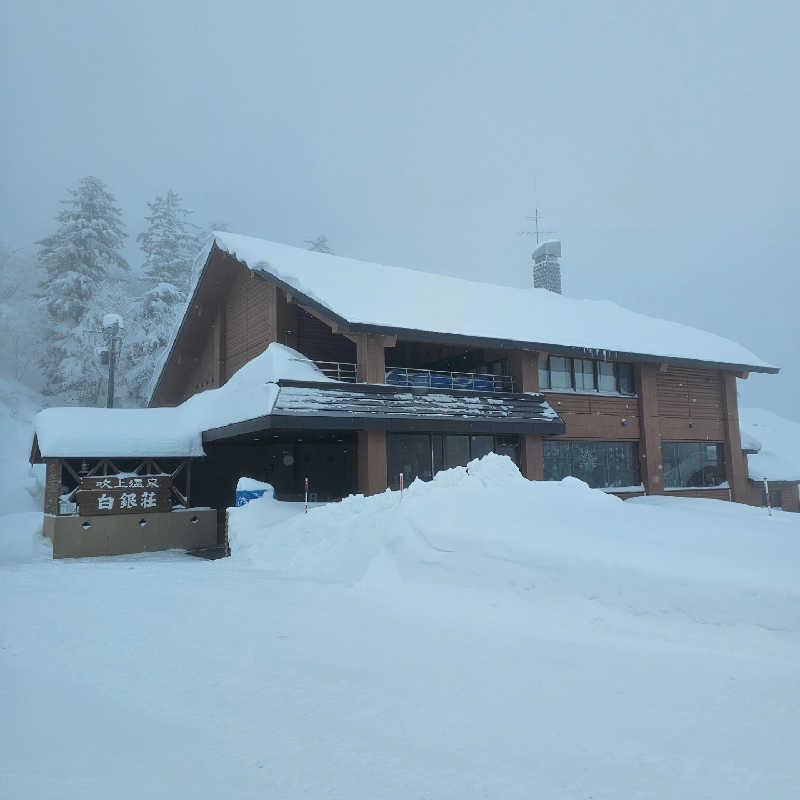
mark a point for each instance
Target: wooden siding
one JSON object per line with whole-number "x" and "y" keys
{"x": 705, "y": 494}
{"x": 250, "y": 320}
{"x": 596, "y": 416}
{"x": 202, "y": 374}
{"x": 690, "y": 396}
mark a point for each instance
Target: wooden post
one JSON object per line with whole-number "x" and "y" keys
{"x": 370, "y": 357}
{"x": 524, "y": 368}
{"x": 736, "y": 461}
{"x": 52, "y": 489}
{"x": 372, "y": 467}
{"x": 652, "y": 466}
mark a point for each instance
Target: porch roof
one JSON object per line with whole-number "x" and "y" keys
{"x": 347, "y": 406}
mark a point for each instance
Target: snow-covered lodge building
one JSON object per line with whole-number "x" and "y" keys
{"x": 401, "y": 371}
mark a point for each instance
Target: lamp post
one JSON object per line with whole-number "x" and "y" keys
{"x": 112, "y": 331}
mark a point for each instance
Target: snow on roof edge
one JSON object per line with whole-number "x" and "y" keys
{"x": 236, "y": 245}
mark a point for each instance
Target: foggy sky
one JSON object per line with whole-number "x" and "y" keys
{"x": 659, "y": 140}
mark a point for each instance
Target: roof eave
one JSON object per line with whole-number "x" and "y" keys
{"x": 412, "y": 334}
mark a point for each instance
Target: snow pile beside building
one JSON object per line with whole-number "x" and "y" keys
{"x": 777, "y": 441}
{"x": 506, "y": 639}
{"x": 22, "y": 485}
{"x": 172, "y": 432}
{"x": 486, "y": 525}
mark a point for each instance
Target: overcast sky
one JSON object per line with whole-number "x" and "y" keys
{"x": 660, "y": 141}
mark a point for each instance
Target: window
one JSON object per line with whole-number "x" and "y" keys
{"x": 602, "y": 465}
{"x": 560, "y": 372}
{"x": 422, "y": 455}
{"x": 692, "y": 464}
{"x": 586, "y": 375}
{"x": 606, "y": 379}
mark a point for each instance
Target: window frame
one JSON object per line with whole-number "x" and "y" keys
{"x": 720, "y": 465}
{"x": 570, "y": 449}
{"x": 546, "y": 376}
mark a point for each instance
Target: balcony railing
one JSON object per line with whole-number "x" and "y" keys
{"x": 433, "y": 379}
{"x": 337, "y": 370}
{"x": 436, "y": 379}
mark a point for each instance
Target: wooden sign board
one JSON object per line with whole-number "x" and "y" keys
{"x": 123, "y": 494}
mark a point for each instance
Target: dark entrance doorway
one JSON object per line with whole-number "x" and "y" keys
{"x": 284, "y": 460}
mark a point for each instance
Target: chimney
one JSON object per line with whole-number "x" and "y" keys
{"x": 546, "y": 269}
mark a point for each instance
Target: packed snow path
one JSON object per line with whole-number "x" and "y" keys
{"x": 558, "y": 644}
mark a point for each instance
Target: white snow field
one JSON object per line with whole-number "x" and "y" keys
{"x": 480, "y": 637}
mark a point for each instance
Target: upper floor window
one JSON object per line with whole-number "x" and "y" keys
{"x": 586, "y": 375}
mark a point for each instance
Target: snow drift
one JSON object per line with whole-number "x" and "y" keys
{"x": 486, "y": 525}
{"x": 172, "y": 432}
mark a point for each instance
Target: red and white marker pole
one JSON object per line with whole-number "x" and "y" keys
{"x": 401, "y": 485}
{"x": 306, "y": 495}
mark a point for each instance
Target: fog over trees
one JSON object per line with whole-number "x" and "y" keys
{"x": 658, "y": 142}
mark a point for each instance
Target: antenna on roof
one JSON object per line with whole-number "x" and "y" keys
{"x": 540, "y": 234}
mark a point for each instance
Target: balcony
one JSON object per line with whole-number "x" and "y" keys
{"x": 339, "y": 371}
{"x": 437, "y": 379}
{"x": 344, "y": 372}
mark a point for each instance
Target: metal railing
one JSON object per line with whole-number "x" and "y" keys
{"x": 337, "y": 370}
{"x": 345, "y": 372}
{"x": 436, "y": 379}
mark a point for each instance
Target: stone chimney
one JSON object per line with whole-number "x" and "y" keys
{"x": 546, "y": 268}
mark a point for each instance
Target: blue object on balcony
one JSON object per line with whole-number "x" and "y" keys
{"x": 396, "y": 377}
{"x": 441, "y": 382}
{"x": 419, "y": 380}
{"x": 463, "y": 382}
{"x": 484, "y": 385}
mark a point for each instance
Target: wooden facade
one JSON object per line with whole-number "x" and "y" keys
{"x": 236, "y": 313}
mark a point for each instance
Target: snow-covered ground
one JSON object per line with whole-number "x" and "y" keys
{"x": 481, "y": 637}
{"x": 777, "y": 441}
{"x": 21, "y": 485}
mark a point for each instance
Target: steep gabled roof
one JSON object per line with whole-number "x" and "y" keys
{"x": 368, "y": 295}
{"x": 364, "y": 297}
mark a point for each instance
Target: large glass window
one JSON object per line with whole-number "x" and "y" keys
{"x": 603, "y": 465}
{"x": 409, "y": 453}
{"x": 586, "y": 375}
{"x": 692, "y": 464}
{"x": 456, "y": 451}
{"x": 422, "y": 455}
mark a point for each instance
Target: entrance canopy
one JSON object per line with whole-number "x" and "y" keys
{"x": 345, "y": 406}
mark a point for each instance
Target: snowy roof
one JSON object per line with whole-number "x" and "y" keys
{"x": 348, "y": 406}
{"x": 171, "y": 432}
{"x": 371, "y": 295}
{"x": 777, "y": 441}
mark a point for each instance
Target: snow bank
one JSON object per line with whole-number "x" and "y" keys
{"x": 487, "y": 525}
{"x": 22, "y": 485}
{"x": 778, "y": 442}
{"x": 22, "y": 540}
{"x": 374, "y": 294}
{"x": 172, "y": 432}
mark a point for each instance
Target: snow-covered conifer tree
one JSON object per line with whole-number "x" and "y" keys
{"x": 83, "y": 253}
{"x": 169, "y": 243}
{"x": 319, "y": 245}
